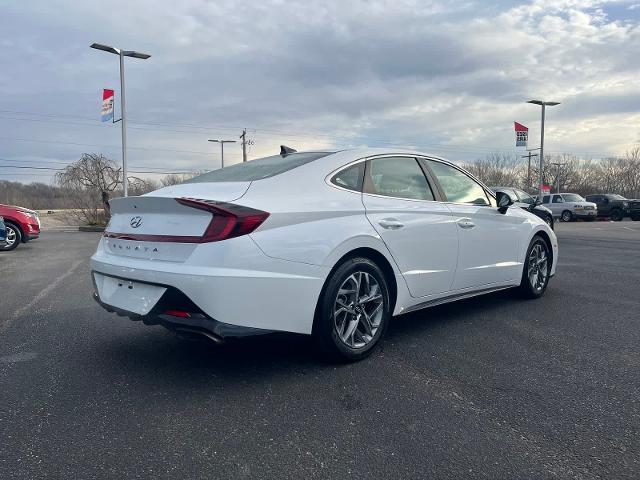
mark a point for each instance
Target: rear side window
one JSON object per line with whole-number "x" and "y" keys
{"x": 259, "y": 168}
{"x": 545, "y": 199}
{"x": 457, "y": 186}
{"x": 399, "y": 177}
{"x": 557, "y": 199}
{"x": 350, "y": 178}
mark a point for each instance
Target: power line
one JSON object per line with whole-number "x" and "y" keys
{"x": 309, "y": 134}
{"x": 34, "y": 140}
{"x": 195, "y": 170}
{"x": 62, "y": 169}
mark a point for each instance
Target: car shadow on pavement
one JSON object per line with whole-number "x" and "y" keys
{"x": 163, "y": 355}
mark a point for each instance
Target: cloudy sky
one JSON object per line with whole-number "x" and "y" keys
{"x": 447, "y": 77}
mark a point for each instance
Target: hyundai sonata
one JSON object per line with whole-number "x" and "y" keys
{"x": 331, "y": 244}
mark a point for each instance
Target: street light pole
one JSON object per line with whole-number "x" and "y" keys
{"x": 558, "y": 164}
{"x": 123, "y": 120}
{"x": 543, "y": 104}
{"x": 122, "y": 53}
{"x": 222, "y": 142}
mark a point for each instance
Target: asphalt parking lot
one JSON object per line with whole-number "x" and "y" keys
{"x": 492, "y": 387}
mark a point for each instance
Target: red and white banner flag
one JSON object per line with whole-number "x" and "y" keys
{"x": 522, "y": 135}
{"x": 107, "y": 105}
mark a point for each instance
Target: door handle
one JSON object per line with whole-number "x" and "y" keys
{"x": 466, "y": 223}
{"x": 390, "y": 224}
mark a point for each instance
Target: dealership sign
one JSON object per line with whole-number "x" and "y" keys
{"x": 522, "y": 135}
{"x": 107, "y": 105}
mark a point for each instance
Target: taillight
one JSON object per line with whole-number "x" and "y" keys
{"x": 229, "y": 220}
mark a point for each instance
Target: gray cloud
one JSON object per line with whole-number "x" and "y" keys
{"x": 406, "y": 72}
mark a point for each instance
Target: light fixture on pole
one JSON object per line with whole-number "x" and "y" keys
{"x": 543, "y": 104}
{"x": 222, "y": 142}
{"x": 122, "y": 53}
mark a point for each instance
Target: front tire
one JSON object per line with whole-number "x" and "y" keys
{"x": 566, "y": 216}
{"x": 536, "y": 270}
{"x": 14, "y": 237}
{"x": 617, "y": 215}
{"x": 353, "y": 311}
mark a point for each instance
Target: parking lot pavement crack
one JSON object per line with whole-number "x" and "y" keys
{"x": 4, "y": 325}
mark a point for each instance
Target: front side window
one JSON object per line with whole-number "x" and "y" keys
{"x": 399, "y": 177}
{"x": 457, "y": 186}
{"x": 350, "y": 178}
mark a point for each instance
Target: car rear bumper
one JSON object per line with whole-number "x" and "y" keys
{"x": 232, "y": 282}
{"x": 177, "y": 313}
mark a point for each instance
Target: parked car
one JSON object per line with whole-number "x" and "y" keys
{"x": 570, "y": 206}
{"x": 23, "y": 225}
{"x": 3, "y": 233}
{"x": 615, "y": 206}
{"x": 324, "y": 243}
{"x": 524, "y": 200}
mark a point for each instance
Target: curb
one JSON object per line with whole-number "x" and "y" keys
{"x": 87, "y": 228}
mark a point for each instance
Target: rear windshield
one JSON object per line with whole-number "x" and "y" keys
{"x": 260, "y": 168}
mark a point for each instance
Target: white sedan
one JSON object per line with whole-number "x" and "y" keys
{"x": 326, "y": 243}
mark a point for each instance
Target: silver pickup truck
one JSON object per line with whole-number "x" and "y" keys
{"x": 570, "y": 206}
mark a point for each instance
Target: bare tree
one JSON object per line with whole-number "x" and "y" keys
{"x": 92, "y": 179}
{"x": 175, "y": 178}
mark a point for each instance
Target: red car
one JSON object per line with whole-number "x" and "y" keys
{"x": 22, "y": 225}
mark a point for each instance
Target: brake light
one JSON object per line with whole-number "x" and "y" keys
{"x": 229, "y": 220}
{"x": 178, "y": 313}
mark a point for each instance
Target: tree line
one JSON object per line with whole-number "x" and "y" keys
{"x": 619, "y": 175}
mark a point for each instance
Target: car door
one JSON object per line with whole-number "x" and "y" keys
{"x": 417, "y": 229}
{"x": 488, "y": 240}
{"x": 604, "y": 205}
{"x": 557, "y": 205}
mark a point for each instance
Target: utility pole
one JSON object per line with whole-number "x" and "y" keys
{"x": 529, "y": 155}
{"x": 558, "y": 164}
{"x": 543, "y": 104}
{"x": 122, "y": 53}
{"x": 244, "y": 144}
{"x": 222, "y": 142}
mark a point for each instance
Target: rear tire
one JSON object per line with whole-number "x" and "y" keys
{"x": 14, "y": 237}
{"x": 353, "y": 311}
{"x": 566, "y": 216}
{"x": 617, "y": 215}
{"x": 536, "y": 270}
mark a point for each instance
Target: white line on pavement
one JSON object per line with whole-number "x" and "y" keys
{"x": 43, "y": 293}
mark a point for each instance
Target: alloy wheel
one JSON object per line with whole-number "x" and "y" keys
{"x": 566, "y": 216}
{"x": 538, "y": 266}
{"x": 358, "y": 310}
{"x": 11, "y": 236}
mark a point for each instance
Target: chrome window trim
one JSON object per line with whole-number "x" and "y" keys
{"x": 409, "y": 155}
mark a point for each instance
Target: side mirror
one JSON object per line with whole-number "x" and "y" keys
{"x": 504, "y": 201}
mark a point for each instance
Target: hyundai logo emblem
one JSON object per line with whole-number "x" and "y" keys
{"x": 136, "y": 222}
